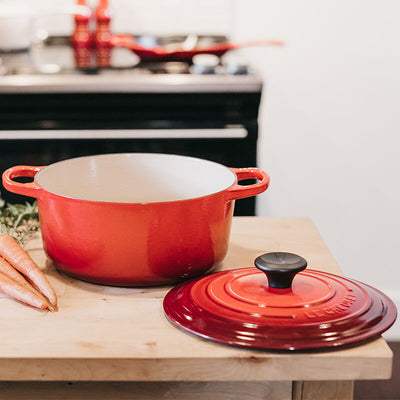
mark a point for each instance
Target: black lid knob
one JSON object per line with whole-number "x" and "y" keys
{"x": 280, "y": 268}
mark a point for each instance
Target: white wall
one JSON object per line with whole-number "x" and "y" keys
{"x": 330, "y": 119}
{"x": 143, "y": 16}
{"x": 330, "y": 115}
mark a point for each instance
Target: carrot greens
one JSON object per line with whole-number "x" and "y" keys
{"x": 20, "y": 221}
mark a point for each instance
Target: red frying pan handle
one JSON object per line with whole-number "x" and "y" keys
{"x": 237, "y": 191}
{"x": 122, "y": 40}
{"x": 30, "y": 189}
{"x": 266, "y": 42}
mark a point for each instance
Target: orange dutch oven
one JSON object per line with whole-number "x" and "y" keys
{"x": 135, "y": 219}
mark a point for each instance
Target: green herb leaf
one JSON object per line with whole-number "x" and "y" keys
{"x": 19, "y": 220}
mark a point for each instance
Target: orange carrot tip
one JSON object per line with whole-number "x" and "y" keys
{"x": 20, "y": 293}
{"x": 7, "y": 269}
{"x": 22, "y": 262}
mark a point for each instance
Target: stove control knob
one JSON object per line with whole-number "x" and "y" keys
{"x": 237, "y": 69}
{"x": 236, "y": 65}
{"x": 205, "y": 64}
{"x": 3, "y": 69}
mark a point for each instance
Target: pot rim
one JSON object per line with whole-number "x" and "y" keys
{"x": 45, "y": 170}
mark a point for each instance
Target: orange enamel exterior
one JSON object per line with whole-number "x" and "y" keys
{"x": 135, "y": 244}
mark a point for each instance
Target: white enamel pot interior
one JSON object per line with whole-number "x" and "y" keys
{"x": 135, "y": 178}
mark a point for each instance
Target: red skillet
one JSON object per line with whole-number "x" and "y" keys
{"x": 161, "y": 53}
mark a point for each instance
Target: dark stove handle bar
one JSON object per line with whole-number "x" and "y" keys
{"x": 229, "y": 132}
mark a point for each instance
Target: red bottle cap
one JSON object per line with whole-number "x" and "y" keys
{"x": 288, "y": 310}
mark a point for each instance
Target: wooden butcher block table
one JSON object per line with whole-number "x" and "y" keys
{"x": 115, "y": 343}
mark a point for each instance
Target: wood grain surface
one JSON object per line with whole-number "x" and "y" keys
{"x": 145, "y": 390}
{"x": 323, "y": 390}
{"x": 103, "y": 333}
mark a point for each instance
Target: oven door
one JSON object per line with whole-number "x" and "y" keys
{"x": 43, "y": 129}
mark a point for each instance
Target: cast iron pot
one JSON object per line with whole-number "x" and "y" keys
{"x": 135, "y": 219}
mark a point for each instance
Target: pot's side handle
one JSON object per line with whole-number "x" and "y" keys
{"x": 31, "y": 189}
{"x": 237, "y": 191}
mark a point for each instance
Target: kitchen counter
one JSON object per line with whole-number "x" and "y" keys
{"x": 108, "y": 342}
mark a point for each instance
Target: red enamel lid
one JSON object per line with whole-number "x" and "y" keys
{"x": 290, "y": 309}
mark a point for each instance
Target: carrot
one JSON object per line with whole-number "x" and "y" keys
{"x": 15, "y": 290}
{"x": 7, "y": 269}
{"x": 21, "y": 261}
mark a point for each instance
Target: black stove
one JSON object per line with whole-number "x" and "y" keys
{"x": 59, "y": 102}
